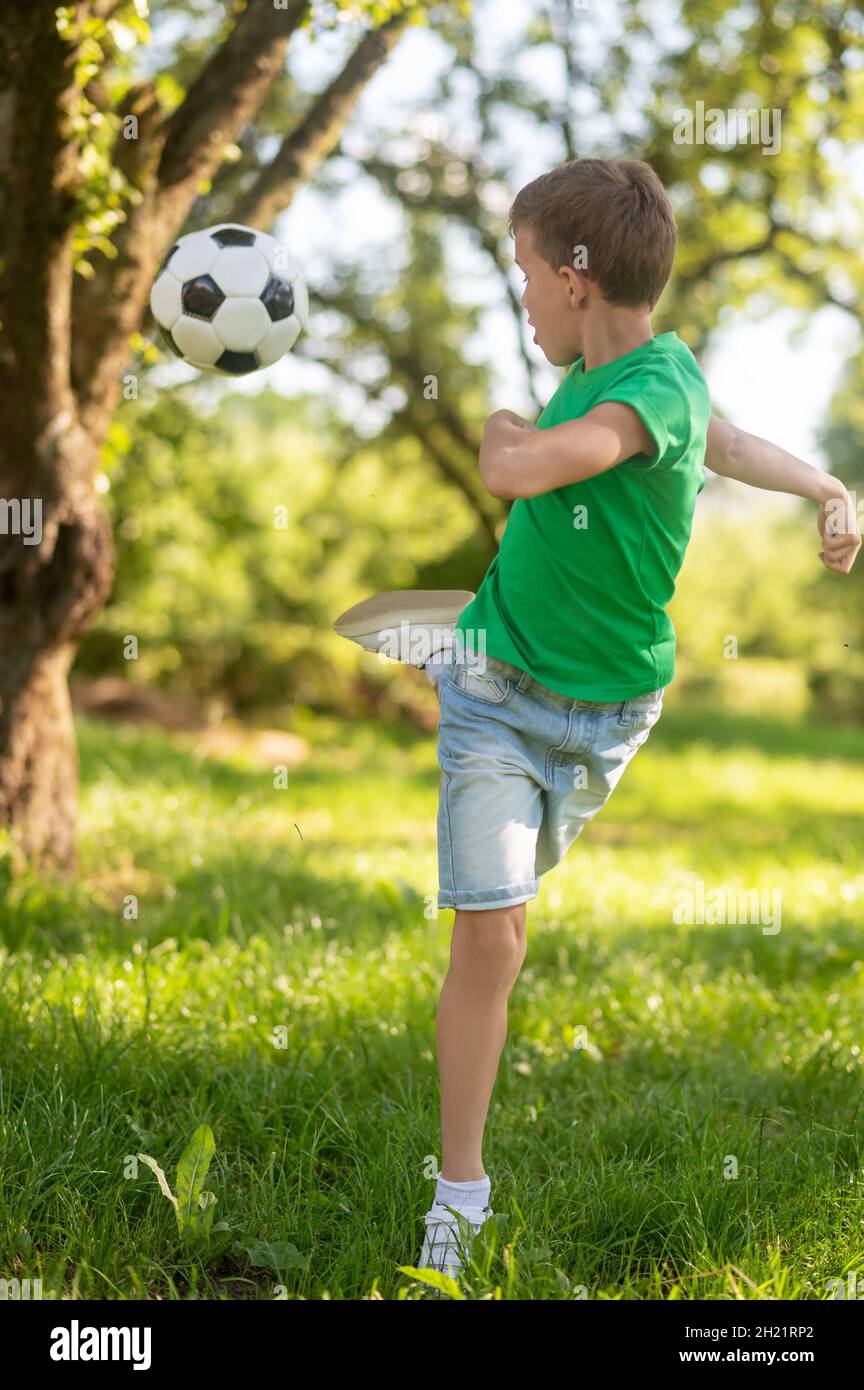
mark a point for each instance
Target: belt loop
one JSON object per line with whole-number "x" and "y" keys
{"x": 524, "y": 681}
{"x": 626, "y": 710}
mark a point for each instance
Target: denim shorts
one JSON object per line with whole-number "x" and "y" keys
{"x": 524, "y": 771}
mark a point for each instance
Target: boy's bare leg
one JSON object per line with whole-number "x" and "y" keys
{"x": 486, "y": 954}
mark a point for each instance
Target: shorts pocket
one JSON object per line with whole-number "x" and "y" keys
{"x": 490, "y": 687}
{"x": 646, "y": 712}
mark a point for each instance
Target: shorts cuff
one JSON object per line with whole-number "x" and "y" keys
{"x": 477, "y": 899}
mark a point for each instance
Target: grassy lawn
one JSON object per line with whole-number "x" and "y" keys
{"x": 678, "y": 1112}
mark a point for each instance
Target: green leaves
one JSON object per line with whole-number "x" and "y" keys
{"x": 103, "y": 54}
{"x": 193, "y": 1206}
{"x": 279, "y": 1255}
{"x": 436, "y": 1279}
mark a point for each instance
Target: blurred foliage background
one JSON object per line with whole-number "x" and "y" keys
{"x": 233, "y": 609}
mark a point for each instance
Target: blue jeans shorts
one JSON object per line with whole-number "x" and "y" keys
{"x": 524, "y": 771}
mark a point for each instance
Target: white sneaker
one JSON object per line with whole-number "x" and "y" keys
{"x": 445, "y": 1245}
{"x": 411, "y": 625}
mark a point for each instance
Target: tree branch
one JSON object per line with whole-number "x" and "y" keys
{"x": 104, "y": 9}
{"x": 318, "y": 133}
{"x": 704, "y": 268}
{"x": 401, "y": 361}
{"x": 133, "y": 156}
{"x": 227, "y": 93}
{"x": 818, "y": 278}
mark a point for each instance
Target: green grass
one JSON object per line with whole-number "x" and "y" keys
{"x": 645, "y": 1058}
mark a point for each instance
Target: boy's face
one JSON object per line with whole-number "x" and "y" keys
{"x": 551, "y": 298}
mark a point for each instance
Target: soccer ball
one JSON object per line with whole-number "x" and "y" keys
{"x": 229, "y": 300}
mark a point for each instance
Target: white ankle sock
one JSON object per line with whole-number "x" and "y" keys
{"x": 475, "y": 1193}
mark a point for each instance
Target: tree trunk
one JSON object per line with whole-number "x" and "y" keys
{"x": 39, "y": 764}
{"x": 50, "y": 593}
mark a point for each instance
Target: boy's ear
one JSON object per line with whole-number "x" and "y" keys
{"x": 580, "y": 282}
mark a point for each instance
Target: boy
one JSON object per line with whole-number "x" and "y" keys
{"x": 560, "y": 661}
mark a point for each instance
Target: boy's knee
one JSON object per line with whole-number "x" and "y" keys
{"x": 496, "y": 937}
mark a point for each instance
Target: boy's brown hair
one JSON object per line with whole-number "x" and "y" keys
{"x": 618, "y": 210}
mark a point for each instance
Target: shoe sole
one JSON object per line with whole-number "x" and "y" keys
{"x": 417, "y": 607}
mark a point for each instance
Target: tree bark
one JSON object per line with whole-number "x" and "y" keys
{"x": 39, "y": 766}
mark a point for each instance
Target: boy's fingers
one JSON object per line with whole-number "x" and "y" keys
{"x": 840, "y": 566}
{"x": 841, "y": 562}
{"x": 846, "y": 552}
{"x": 839, "y": 546}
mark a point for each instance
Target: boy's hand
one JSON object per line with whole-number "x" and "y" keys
{"x": 837, "y": 525}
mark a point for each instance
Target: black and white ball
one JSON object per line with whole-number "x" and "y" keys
{"x": 229, "y": 300}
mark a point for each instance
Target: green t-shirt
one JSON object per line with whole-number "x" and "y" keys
{"x": 578, "y": 590}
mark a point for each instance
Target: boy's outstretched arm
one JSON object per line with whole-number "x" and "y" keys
{"x": 734, "y": 453}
